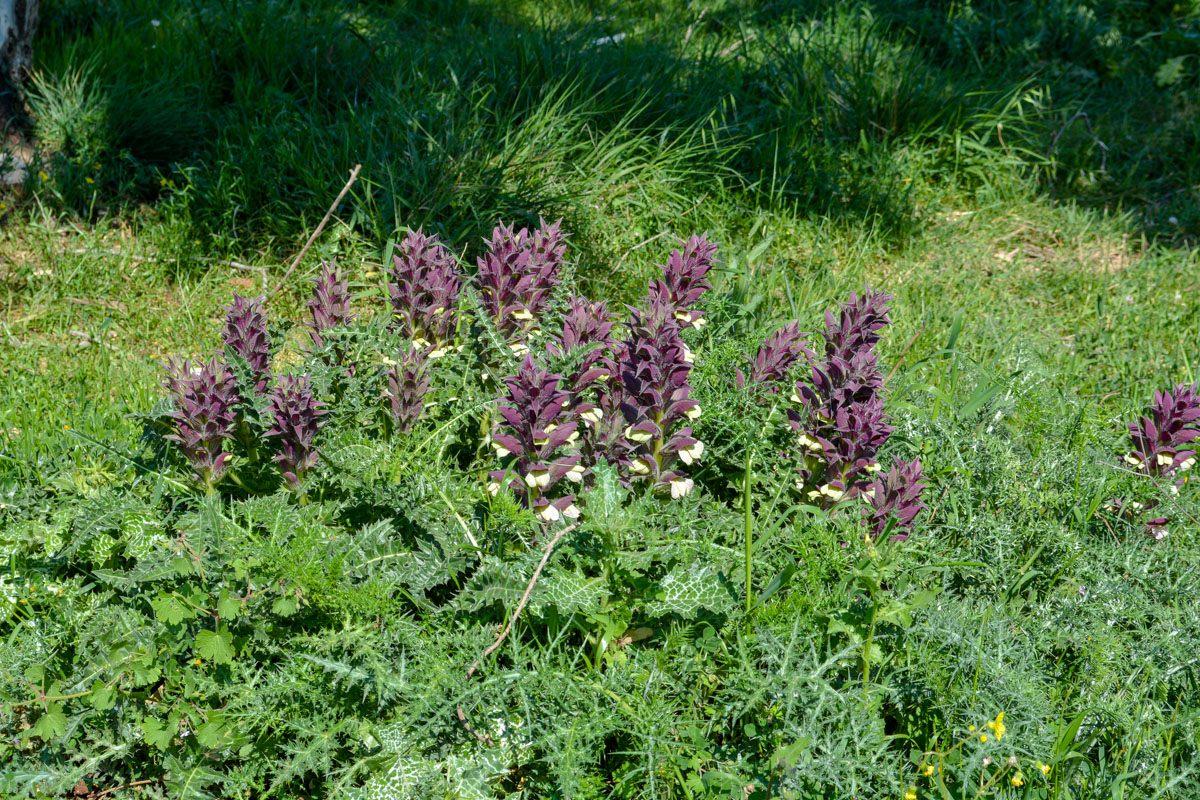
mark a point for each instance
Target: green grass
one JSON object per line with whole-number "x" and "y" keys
{"x": 1046, "y": 285}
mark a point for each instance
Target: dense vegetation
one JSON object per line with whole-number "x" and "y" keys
{"x": 464, "y": 510}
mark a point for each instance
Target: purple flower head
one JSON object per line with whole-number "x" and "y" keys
{"x": 652, "y": 403}
{"x": 329, "y": 305}
{"x": 245, "y": 333}
{"x": 517, "y": 274}
{"x": 841, "y": 424}
{"x": 776, "y": 357}
{"x": 423, "y": 286}
{"x": 537, "y": 434}
{"x": 204, "y": 396}
{"x": 408, "y": 383}
{"x": 855, "y": 330}
{"x": 1162, "y": 441}
{"x": 894, "y": 495}
{"x": 586, "y": 325}
{"x": 683, "y": 283}
{"x": 297, "y": 418}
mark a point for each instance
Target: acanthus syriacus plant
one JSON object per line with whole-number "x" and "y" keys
{"x": 205, "y": 396}
{"x": 781, "y": 351}
{"x": 407, "y": 384}
{"x": 536, "y": 438}
{"x": 329, "y": 306}
{"x": 840, "y": 421}
{"x": 245, "y": 333}
{"x": 684, "y": 281}
{"x": 516, "y": 277}
{"x": 424, "y": 284}
{"x": 296, "y": 419}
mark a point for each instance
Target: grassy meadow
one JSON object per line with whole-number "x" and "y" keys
{"x": 1021, "y": 177}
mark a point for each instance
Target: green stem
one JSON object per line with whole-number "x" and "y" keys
{"x": 867, "y": 648}
{"x": 749, "y": 525}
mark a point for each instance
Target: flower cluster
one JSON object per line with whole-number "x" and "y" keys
{"x": 1162, "y": 441}
{"x": 423, "y": 287}
{"x": 537, "y": 434}
{"x": 245, "y": 334}
{"x": 297, "y": 418}
{"x": 329, "y": 306}
{"x": 896, "y": 495}
{"x": 654, "y": 403}
{"x": 407, "y": 385}
{"x": 776, "y": 357}
{"x": 587, "y": 327}
{"x": 516, "y": 276}
{"x": 683, "y": 283}
{"x": 841, "y": 422}
{"x": 204, "y": 396}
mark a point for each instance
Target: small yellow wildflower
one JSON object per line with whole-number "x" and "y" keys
{"x": 197, "y": 662}
{"x": 983, "y": 737}
{"x": 88, "y": 180}
{"x": 928, "y": 770}
{"x": 42, "y": 174}
{"x": 1018, "y": 780}
{"x": 911, "y": 794}
{"x": 970, "y": 729}
{"x": 1045, "y": 768}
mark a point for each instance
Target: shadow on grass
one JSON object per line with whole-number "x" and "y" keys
{"x": 240, "y": 120}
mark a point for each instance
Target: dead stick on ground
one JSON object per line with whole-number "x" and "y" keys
{"x": 320, "y": 227}
{"x": 484, "y": 737}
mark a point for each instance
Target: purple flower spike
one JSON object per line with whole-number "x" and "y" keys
{"x": 204, "y": 396}
{"x": 841, "y": 424}
{"x": 589, "y": 326}
{"x": 423, "y": 288}
{"x": 245, "y": 333}
{"x": 408, "y": 383}
{"x": 776, "y": 357}
{"x": 537, "y": 436}
{"x": 1161, "y": 441}
{"x": 329, "y": 306}
{"x": 895, "y": 495}
{"x": 684, "y": 283}
{"x": 517, "y": 275}
{"x": 297, "y": 418}
{"x": 654, "y": 404}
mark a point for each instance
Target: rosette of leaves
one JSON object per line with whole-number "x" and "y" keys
{"x": 1162, "y": 441}
{"x": 407, "y": 385}
{"x": 329, "y": 305}
{"x": 245, "y": 333}
{"x": 587, "y": 329}
{"x": 537, "y": 434}
{"x": 296, "y": 419}
{"x": 683, "y": 283}
{"x": 654, "y": 403}
{"x": 516, "y": 277}
{"x": 205, "y": 396}
{"x": 781, "y": 351}
{"x": 894, "y": 496}
{"x": 423, "y": 288}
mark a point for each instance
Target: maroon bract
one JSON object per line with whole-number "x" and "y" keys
{"x": 296, "y": 415}
{"x": 517, "y": 275}
{"x": 423, "y": 287}
{"x": 329, "y": 306}
{"x": 408, "y": 383}
{"x": 536, "y": 435}
{"x": 587, "y": 326}
{"x": 245, "y": 333}
{"x": 896, "y": 495}
{"x": 204, "y": 396}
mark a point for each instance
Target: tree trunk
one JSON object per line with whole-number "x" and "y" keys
{"x": 18, "y": 19}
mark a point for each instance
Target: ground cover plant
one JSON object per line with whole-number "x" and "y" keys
{"x": 881, "y": 487}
